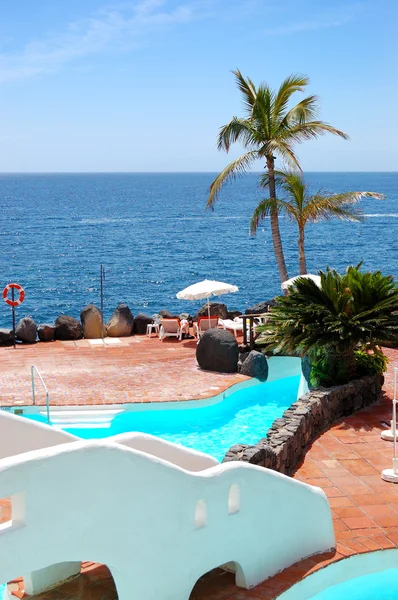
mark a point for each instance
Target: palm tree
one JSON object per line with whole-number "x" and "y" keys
{"x": 269, "y": 128}
{"x": 357, "y": 308}
{"x": 303, "y": 208}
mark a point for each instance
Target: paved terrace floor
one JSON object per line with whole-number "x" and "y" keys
{"x": 346, "y": 462}
{"x": 136, "y": 369}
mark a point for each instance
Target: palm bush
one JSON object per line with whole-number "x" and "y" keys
{"x": 329, "y": 323}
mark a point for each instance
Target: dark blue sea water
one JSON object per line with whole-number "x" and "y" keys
{"x": 154, "y": 237}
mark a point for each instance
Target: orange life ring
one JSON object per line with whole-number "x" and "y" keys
{"x": 19, "y": 289}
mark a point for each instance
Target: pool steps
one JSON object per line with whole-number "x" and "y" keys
{"x": 87, "y": 419}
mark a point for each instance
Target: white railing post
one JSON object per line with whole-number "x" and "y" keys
{"x": 32, "y": 370}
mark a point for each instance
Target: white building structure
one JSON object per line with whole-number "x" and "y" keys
{"x": 158, "y": 515}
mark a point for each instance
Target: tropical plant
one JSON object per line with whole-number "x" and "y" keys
{"x": 370, "y": 361}
{"x": 326, "y": 371}
{"x": 346, "y": 311}
{"x": 268, "y": 128}
{"x": 299, "y": 206}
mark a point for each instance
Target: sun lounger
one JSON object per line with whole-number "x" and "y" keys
{"x": 170, "y": 328}
{"x": 235, "y": 326}
{"x": 203, "y": 324}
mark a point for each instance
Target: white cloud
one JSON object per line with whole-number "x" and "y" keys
{"x": 339, "y": 17}
{"x": 115, "y": 27}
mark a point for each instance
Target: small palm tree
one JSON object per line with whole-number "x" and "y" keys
{"x": 348, "y": 310}
{"x": 268, "y": 128}
{"x": 299, "y": 206}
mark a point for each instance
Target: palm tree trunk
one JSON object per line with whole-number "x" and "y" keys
{"x": 302, "y": 261}
{"x": 276, "y": 234}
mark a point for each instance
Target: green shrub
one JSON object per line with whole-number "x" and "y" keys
{"x": 326, "y": 370}
{"x": 370, "y": 363}
{"x": 329, "y": 323}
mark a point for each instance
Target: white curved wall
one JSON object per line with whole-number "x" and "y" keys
{"x": 186, "y": 458}
{"x": 136, "y": 513}
{"x": 18, "y": 435}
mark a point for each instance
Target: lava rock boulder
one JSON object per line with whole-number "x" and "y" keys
{"x": 255, "y": 364}
{"x": 26, "y": 330}
{"x": 91, "y": 318}
{"x": 6, "y": 337}
{"x": 232, "y": 314}
{"x": 217, "y": 350}
{"x": 140, "y": 323}
{"x": 258, "y": 309}
{"x": 121, "y": 322}
{"x": 46, "y": 332}
{"x": 217, "y": 309}
{"x": 67, "y": 328}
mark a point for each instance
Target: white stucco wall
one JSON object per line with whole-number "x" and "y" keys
{"x": 18, "y": 435}
{"x": 186, "y": 458}
{"x": 140, "y": 515}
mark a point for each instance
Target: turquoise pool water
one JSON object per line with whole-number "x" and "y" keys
{"x": 243, "y": 417}
{"x": 375, "y": 586}
{"x": 2, "y": 588}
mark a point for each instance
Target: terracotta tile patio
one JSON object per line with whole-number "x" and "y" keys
{"x": 138, "y": 369}
{"x": 346, "y": 461}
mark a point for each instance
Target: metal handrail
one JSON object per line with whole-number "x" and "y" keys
{"x": 32, "y": 371}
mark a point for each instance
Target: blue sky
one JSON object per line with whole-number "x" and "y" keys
{"x": 144, "y": 85}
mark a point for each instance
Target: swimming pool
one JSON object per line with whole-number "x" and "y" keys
{"x": 241, "y": 415}
{"x": 371, "y": 576}
{"x": 374, "y": 586}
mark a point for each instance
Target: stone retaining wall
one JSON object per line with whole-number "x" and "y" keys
{"x": 287, "y": 439}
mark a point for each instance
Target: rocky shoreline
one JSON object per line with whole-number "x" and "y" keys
{"x": 121, "y": 324}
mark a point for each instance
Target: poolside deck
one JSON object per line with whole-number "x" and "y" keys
{"x": 134, "y": 369}
{"x": 345, "y": 461}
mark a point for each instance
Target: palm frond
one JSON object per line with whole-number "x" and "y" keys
{"x": 262, "y": 111}
{"x": 237, "y": 167}
{"x": 236, "y": 130}
{"x": 310, "y": 130}
{"x": 264, "y": 209}
{"x": 302, "y": 112}
{"x": 285, "y": 151}
{"x": 279, "y": 177}
{"x": 341, "y": 206}
{"x": 248, "y": 90}
{"x": 292, "y": 83}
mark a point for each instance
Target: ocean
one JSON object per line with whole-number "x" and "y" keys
{"x": 154, "y": 237}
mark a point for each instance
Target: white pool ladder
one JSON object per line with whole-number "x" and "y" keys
{"x": 32, "y": 370}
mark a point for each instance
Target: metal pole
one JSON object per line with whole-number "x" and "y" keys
{"x": 48, "y": 407}
{"x": 251, "y": 336}
{"x": 13, "y": 316}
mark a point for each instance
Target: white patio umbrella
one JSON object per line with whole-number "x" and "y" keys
{"x": 289, "y": 282}
{"x": 206, "y": 289}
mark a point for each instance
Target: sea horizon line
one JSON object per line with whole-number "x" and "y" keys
{"x": 170, "y": 172}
